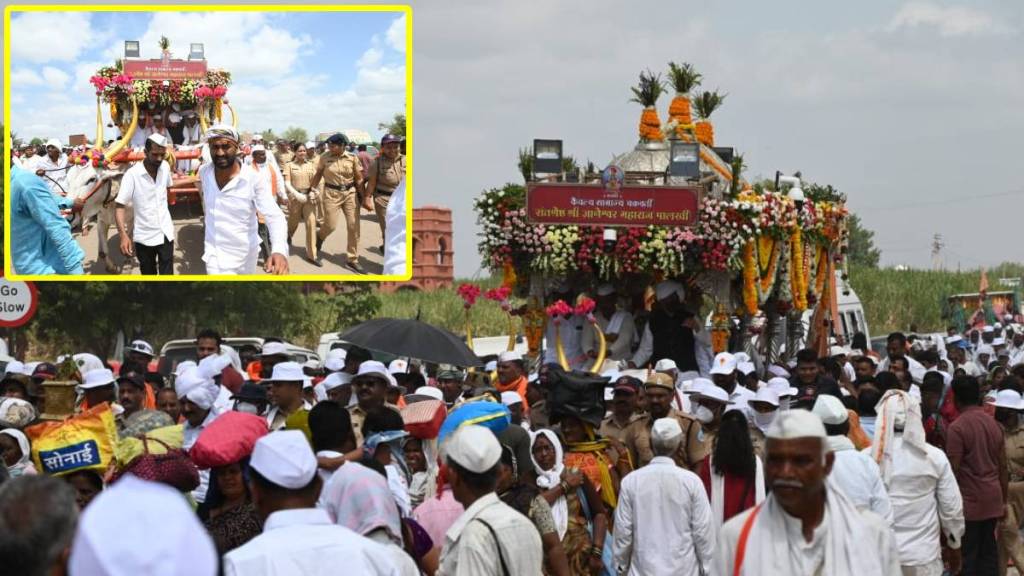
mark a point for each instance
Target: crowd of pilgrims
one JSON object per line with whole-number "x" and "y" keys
{"x": 846, "y": 462}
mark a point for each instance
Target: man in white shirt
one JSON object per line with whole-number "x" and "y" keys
{"x": 663, "y": 518}
{"x": 807, "y": 525}
{"x": 724, "y": 373}
{"x": 285, "y": 383}
{"x": 53, "y": 168}
{"x": 922, "y": 488}
{"x": 144, "y": 186}
{"x": 298, "y": 538}
{"x": 196, "y": 395}
{"x": 232, "y": 194}
{"x": 617, "y": 325}
{"x": 394, "y": 234}
{"x": 855, "y": 473}
{"x": 490, "y": 538}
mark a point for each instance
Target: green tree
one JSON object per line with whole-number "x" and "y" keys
{"x": 37, "y": 141}
{"x": 268, "y": 135}
{"x": 396, "y": 126}
{"x": 862, "y": 250}
{"x": 296, "y": 134}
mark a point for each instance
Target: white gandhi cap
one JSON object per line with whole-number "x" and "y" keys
{"x": 665, "y": 429}
{"x": 796, "y": 423}
{"x": 284, "y": 458}
{"x": 475, "y": 448}
{"x": 830, "y": 409}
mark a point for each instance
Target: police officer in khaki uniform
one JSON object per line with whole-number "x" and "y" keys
{"x": 343, "y": 187}
{"x": 302, "y": 199}
{"x": 284, "y": 153}
{"x": 386, "y": 171}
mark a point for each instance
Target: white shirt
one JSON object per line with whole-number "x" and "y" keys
{"x": 304, "y": 542}
{"x": 925, "y": 497}
{"x": 663, "y": 522}
{"x": 740, "y": 398}
{"x": 190, "y": 434}
{"x": 148, "y": 196}
{"x": 232, "y": 241}
{"x": 275, "y": 173}
{"x": 914, "y": 367}
{"x": 622, "y": 322}
{"x": 324, "y": 473}
{"x": 857, "y": 475}
{"x": 470, "y": 547}
{"x": 571, "y": 330}
{"x": 701, "y": 347}
{"x": 394, "y": 233}
{"x": 399, "y": 489}
{"x": 191, "y": 135}
{"x": 61, "y": 176}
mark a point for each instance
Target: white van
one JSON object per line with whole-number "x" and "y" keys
{"x": 175, "y": 352}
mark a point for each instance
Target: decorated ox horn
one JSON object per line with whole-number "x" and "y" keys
{"x": 234, "y": 117}
{"x": 99, "y": 124}
{"x": 120, "y": 145}
{"x": 203, "y": 126}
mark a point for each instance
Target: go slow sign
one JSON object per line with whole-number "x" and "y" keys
{"x": 17, "y": 302}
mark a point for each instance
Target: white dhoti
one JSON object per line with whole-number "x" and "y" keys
{"x": 247, "y": 267}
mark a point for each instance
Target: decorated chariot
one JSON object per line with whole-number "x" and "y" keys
{"x": 762, "y": 260}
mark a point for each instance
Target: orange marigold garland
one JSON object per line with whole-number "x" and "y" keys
{"x": 798, "y": 273}
{"x": 705, "y": 133}
{"x": 750, "y": 278}
{"x": 650, "y": 125}
{"x": 768, "y": 253}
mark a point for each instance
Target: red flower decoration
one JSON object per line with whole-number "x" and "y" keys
{"x": 559, "y": 309}
{"x": 585, "y": 307}
{"x": 469, "y": 293}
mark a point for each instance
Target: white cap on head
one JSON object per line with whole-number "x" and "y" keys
{"x": 14, "y": 367}
{"x": 950, "y": 340}
{"x": 97, "y": 378}
{"x": 667, "y": 288}
{"x": 473, "y": 447}
{"x": 778, "y": 371}
{"x": 491, "y": 366}
{"x": 310, "y": 145}
{"x": 258, "y": 148}
{"x": 426, "y": 393}
{"x": 767, "y": 395}
{"x": 666, "y": 429}
{"x": 335, "y": 359}
{"x": 102, "y": 546}
{"x": 796, "y": 423}
{"x": 55, "y": 143}
{"x": 194, "y": 385}
{"x": 174, "y": 117}
{"x": 287, "y": 372}
{"x": 698, "y": 385}
{"x": 183, "y": 367}
{"x": 724, "y": 363}
{"x": 985, "y": 349}
{"x": 712, "y": 392}
{"x": 997, "y": 325}
{"x": 746, "y": 368}
{"x": 335, "y": 379}
{"x": 158, "y": 139}
{"x": 988, "y": 329}
{"x": 1009, "y": 398}
{"x": 838, "y": 351}
{"x": 376, "y": 368}
{"x": 665, "y": 364}
{"x": 274, "y": 349}
{"x": 257, "y": 137}
{"x": 142, "y": 347}
{"x": 999, "y": 341}
{"x": 742, "y": 357}
{"x": 284, "y": 458}
{"x": 782, "y": 387}
{"x": 398, "y": 366}
{"x": 511, "y": 397}
{"x": 605, "y": 290}
{"x": 509, "y": 356}
{"x": 830, "y": 409}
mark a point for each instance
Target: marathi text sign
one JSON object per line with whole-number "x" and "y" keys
{"x": 174, "y": 70}
{"x": 593, "y": 204}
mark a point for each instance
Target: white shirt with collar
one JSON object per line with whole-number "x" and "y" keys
{"x": 663, "y": 522}
{"x": 621, "y": 323}
{"x": 153, "y": 225}
{"x": 304, "y": 542}
{"x": 232, "y": 241}
{"x": 273, "y": 413}
{"x": 470, "y": 547}
{"x": 190, "y": 434}
{"x": 59, "y": 173}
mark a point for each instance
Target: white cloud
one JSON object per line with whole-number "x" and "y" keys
{"x": 396, "y": 34}
{"x": 371, "y": 57}
{"x": 949, "y": 21}
{"x": 25, "y": 77}
{"x": 55, "y": 78}
{"x": 51, "y": 36}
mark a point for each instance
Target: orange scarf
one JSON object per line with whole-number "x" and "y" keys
{"x": 518, "y": 386}
{"x": 273, "y": 176}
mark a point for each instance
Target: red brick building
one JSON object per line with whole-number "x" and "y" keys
{"x": 432, "y": 252}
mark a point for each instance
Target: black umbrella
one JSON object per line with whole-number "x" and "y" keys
{"x": 412, "y": 338}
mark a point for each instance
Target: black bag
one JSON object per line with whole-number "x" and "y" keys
{"x": 576, "y": 393}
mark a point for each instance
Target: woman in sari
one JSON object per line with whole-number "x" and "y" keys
{"x": 228, "y": 512}
{"x": 16, "y": 453}
{"x": 578, "y": 510}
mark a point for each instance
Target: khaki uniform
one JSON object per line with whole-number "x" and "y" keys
{"x": 300, "y": 176}
{"x": 611, "y": 429}
{"x": 284, "y": 158}
{"x": 340, "y": 174}
{"x": 637, "y": 438}
{"x": 387, "y": 174}
{"x": 1010, "y": 545}
{"x": 357, "y": 415}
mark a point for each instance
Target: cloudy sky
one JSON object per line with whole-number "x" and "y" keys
{"x": 912, "y": 108}
{"x": 320, "y": 71}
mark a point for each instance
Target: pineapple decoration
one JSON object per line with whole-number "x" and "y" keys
{"x": 684, "y": 79}
{"x": 165, "y": 54}
{"x": 646, "y": 93}
{"x": 705, "y": 104}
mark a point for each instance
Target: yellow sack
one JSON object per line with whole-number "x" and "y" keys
{"x": 81, "y": 442}
{"x": 128, "y": 449}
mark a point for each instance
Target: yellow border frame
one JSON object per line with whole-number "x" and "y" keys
{"x": 406, "y": 9}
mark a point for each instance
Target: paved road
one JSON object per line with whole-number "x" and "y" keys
{"x": 188, "y": 248}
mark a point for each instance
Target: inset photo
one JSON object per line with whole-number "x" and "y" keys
{"x": 152, "y": 143}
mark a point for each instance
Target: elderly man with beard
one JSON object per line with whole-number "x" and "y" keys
{"x": 144, "y": 187}
{"x": 232, "y": 195}
{"x": 512, "y": 375}
{"x": 806, "y": 525}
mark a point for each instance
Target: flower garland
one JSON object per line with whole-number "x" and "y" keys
{"x": 797, "y": 274}
{"x": 469, "y": 293}
{"x": 750, "y": 278}
{"x": 114, "y": 86}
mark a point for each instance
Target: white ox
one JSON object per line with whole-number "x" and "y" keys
{"x": 98, "y": 187}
